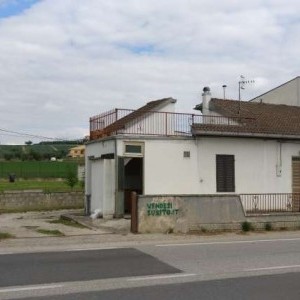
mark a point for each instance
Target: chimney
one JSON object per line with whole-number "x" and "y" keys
{"x": 206, "y": 96}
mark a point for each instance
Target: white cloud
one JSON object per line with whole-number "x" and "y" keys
{"x": 64, "y": 61}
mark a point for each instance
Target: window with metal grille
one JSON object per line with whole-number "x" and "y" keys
{"x": 225, "y": 173}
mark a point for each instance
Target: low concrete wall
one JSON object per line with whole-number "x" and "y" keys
{"x": 276, "y": 220}
{"x": 38, "y": 200}
{"x": 185, "y": 213}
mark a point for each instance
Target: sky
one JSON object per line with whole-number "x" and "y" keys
{"x": 63, "y": 61}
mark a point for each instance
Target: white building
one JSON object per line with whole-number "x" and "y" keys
{"x": 287, "y": 93}
{"x": 234, "y": 147}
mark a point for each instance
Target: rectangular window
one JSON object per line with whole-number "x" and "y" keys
{"x": 133, "y": 149}
{"x": 225, "y": 173}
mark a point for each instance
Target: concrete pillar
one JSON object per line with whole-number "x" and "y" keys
{"x": 108, "y": 188}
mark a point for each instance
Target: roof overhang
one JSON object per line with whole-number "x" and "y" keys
{"x": 197, "y": 132}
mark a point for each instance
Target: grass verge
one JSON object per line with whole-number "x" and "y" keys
{"x": 50, "y": 232}
{"x": 5, "y": 235}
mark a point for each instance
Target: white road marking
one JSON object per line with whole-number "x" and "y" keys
{"x": 273, "y": 268}
{"x": 228, "y": 243}
{"x": 151, "y": 277}
{"x": 90, "y": 249}
{"x": 30, "y": 288}
{"x": 62, "y": 250}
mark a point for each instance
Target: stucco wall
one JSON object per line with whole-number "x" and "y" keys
{"x": 188, "y": 213}
{"x": 257, "y": 163}
{"x": 100, "y": 176}
{"x": 14, "y": 201}
{"x": 167, "y": 171}
{"x": 184, "y": 213}
{"x": 288, "y": 93}
{"x": 97, "y": 182}
{"x": 97, "y": 148}
{"x": 261, "y": 166}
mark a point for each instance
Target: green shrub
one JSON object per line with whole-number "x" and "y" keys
{"x": 71, "y": 178}
{"x": 247, "y": 226}
{"x": 5, "y": 235}
{"x": 268, "y": 226}
{"x": 203, "y": 230}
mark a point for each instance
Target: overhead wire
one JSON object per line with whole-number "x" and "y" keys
{"x": 25, "y": 134}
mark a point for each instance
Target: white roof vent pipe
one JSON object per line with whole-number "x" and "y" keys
{"x": 206, "y": 97}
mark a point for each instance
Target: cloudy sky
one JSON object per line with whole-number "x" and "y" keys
{"x": 62, "y": 61}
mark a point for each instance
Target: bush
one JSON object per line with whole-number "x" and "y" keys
{"x": 268, "y": 226}
{"x": 8, "y": 156}
{"x": 247, "y": 226}
{"x": 71, "y": 178}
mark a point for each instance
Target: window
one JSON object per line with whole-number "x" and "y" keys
{"x": 225, "y": 173}
{"x": 133, "y": 149}
{"x": 187, "y": 154}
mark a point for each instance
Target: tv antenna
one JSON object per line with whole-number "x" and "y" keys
{"x": 242, "y": 83}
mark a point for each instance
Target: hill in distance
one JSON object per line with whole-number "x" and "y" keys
{"x": 41, "y": 151}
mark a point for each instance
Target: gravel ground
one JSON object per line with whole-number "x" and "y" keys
{"x": 25, "y": 225}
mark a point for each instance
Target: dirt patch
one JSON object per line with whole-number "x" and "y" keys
{"x": 26, "y": 225}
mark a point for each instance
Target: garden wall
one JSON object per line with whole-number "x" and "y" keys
{"x": 185, "y": 213}
{"x": 188, "y": 213}
{"x": 38, "y": 200}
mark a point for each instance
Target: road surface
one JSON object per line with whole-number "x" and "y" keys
{"x": 231, "y": 269}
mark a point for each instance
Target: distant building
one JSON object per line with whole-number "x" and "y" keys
{"x": 77, "y": 152}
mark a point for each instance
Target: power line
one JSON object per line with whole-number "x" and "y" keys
{"x": 24, "y": 134}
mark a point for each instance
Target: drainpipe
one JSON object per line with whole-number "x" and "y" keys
{"x": 279, "y": 160}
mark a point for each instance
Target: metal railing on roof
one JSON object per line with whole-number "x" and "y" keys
{"x": 145, "y": 123}
{"x": 119, "y": 121}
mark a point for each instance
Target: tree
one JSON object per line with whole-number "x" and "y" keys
{"x": 8, "y": 156}
{"x": 71, "y": 178}
{"x": 28, "y": 143}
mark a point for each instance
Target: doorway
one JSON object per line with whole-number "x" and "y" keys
{"x": 130, "y": 179}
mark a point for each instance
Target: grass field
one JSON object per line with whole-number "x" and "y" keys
{"x": 45, "y": 185}
{"x": 36, "y": 169}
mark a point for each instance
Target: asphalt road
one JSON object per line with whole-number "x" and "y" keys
{"x": 53, "y": 267}
{"x": 249, "y": 268}
{"x": 275, "y": 287}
